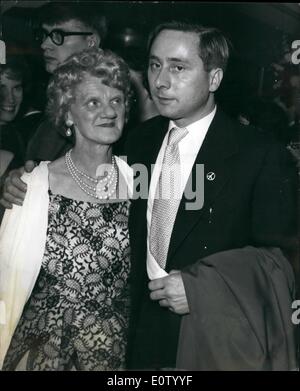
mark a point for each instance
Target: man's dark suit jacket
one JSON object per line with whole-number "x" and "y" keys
{"x": 48, "y": 143}
{"x": 251, "y": 201}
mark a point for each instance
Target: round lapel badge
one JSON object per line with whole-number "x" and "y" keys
{"x": 210, "y": 176}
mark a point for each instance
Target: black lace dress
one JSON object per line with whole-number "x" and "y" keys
{"x": 77, "y": 315}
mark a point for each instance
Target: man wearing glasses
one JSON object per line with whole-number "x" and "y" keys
{"x": 63, "y": 30}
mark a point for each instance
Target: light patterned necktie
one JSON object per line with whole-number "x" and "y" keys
{"x": 166, "y": 202}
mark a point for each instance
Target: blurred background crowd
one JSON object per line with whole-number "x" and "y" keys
{"x": 261, "y": 87}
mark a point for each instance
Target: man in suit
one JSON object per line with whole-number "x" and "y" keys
{"x": 248, "y": 201}
{"x": 248, "y": 197}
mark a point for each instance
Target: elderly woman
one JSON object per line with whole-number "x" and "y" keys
{"x": 65, "y": 253}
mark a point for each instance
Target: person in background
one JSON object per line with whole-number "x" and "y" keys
{"x": 266, "y": 115}
{"x": 63, "y": 29}
{"x": 64, "y": 301}
{"x": 14, "y": 79}
{"x": 130, "y": 43}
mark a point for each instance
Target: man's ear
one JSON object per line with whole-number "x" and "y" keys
{"x": 93, "y": 41}
{"x": 215, "y": 78}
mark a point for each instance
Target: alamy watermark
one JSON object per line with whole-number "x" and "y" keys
{"x": 295, "y": 58}
{"x": 170, "y": 184}
{"x": 296, "y": 313}
{"x": 2, "y": 52}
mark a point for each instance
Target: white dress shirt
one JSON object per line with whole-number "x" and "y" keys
{"x": 188, "y": 147}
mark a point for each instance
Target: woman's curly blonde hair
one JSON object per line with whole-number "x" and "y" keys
{"x": 104, "y": 64}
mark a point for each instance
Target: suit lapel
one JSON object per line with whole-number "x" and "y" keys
{"x": 151, "y": 143}
{"x": 146, "y": 154}
{"x": 218, "y": 147}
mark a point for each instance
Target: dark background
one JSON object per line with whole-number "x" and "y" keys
{"x": 260, "y": 34}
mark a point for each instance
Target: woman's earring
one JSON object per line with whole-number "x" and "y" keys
{"x": 69, "y": 125}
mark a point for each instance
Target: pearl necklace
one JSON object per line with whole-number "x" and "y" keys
{"x": 107, "y": 181}
{"x": 98, "y": 192}
{"x": 112, "y": 170}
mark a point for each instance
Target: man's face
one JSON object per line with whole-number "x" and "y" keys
{"x": 179, "y": 85}
{"x": 11, "y": 96}
{"x": 55, "y": 55}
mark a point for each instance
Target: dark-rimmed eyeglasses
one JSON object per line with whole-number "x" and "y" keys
{"x": 57, "y": 36}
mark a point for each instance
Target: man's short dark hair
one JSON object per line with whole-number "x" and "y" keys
{"x": 88, "y": 14}
{"x": 213, "y": 45}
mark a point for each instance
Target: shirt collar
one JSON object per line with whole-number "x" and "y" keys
{"x": 202, "y": 123}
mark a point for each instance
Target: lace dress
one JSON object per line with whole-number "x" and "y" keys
{"x": 77, "y": 315}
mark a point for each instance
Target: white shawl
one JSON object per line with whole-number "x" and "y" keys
{"x": 22, "y": 244}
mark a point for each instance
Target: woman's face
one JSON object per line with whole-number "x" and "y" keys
{"x": 98, "y": 112}
{"x": 11, "y": 96}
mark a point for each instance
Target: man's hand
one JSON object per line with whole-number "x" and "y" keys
{"x": 170, "y": 292}
{"x": 14, "y": 189}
